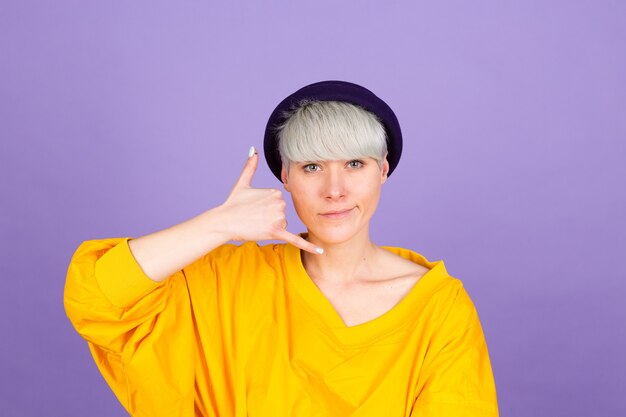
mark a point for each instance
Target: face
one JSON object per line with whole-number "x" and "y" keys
{"x": 336, "y": 199}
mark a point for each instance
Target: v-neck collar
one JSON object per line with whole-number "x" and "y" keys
{"x": 325, "y": 315}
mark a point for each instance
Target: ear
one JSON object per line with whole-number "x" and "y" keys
{"x": 283, "y": 177}
{"x": 385, "y": 170}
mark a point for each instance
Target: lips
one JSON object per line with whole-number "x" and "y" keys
{"x": 337, "y": 214}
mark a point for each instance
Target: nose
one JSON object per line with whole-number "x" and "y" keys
{"x": 334, "y": 185}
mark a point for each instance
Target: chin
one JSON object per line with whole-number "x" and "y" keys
{"x": 333, "y": 235}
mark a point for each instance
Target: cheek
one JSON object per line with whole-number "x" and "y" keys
{"x": 301, "y": 199}
{"x": 303, "y": 190}
{"x": 370, "y": 193}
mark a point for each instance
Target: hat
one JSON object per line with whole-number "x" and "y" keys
{"x": 333, "y": 91}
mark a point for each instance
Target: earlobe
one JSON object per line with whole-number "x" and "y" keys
{"x": 283, "y": 177}
{"x": 385, "y": 170}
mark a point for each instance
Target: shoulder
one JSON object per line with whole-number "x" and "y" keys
{"x": 237, "y": 251}
{"x": 398, "y": 265}
{"x": 433, "y": 274}
{"x": 409, "y": 256}
{"x": 446, "y": 296}
{"x": 408, "y": 262}
{"x": 248, "y": 270}
{"x": 248, "y": 258}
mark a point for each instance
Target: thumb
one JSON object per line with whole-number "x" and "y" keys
{"x": 245, "y": 178}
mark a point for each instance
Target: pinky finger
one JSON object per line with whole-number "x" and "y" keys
{"x": 299, "y": 242}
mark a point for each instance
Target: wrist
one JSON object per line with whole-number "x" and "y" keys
{"x": 217, "y": 222}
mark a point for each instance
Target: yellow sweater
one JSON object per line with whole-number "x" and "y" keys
{"x": 244, "y": 331}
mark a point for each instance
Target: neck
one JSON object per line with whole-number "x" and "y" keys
{"x": 341, "y": 262}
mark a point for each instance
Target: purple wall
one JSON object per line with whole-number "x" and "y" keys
{"x": 122, "y": 118}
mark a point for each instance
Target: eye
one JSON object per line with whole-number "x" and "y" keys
{"x": 311, "y": 168}
{"x": 355, "y": 163}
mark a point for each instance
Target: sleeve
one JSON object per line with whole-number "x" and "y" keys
{"x": 456, "y": 378}
{"x": 140, "y": 332}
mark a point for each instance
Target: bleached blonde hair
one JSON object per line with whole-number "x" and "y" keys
{"x": 330, "y": 130}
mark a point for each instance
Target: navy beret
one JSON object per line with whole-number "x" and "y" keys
{"x": 333, "y": 91}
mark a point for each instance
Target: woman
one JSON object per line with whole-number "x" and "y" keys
{"x": 182, "y": 323}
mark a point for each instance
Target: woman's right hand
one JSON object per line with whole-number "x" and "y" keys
{"x": 258, "y": 213}
{"x": 248, "y": 214}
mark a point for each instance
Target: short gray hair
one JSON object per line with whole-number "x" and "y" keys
{"x": 330, "y": 130}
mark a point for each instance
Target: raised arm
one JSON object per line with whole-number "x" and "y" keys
{"x": 130, "y": 298}
{"x": 248, "y": 214}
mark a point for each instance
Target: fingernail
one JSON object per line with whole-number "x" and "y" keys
{"x": 251, "y": 152}
{"x": 319, "y": 250}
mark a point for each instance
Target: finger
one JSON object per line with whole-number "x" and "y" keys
{"x": 245, "y": 178}
{"x": 299, "y": 242}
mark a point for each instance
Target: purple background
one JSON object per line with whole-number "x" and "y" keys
{"x": 122, "y": 118}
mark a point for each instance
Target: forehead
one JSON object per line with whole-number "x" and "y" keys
{"x": 331, "y": 161}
